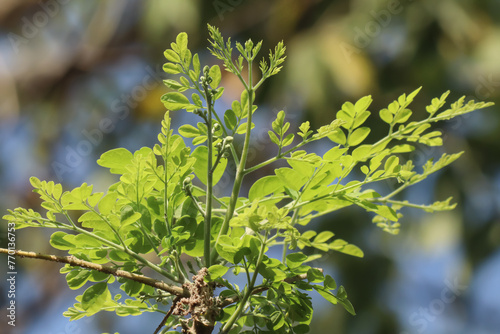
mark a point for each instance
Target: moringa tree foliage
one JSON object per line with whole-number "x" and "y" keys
{"x": 175, "y": 248}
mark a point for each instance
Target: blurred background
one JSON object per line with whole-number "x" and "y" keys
{"x": 78, "y": 78}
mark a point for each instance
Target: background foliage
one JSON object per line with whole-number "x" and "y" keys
{"x": 88, "y": 78}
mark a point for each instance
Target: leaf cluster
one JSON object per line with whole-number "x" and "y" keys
{"x": 162, "y": 214}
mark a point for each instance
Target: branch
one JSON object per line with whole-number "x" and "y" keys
{"x": 169, "y": 313}
{"x": 73, "y": 261}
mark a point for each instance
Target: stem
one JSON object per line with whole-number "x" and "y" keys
{"x": 208, "y": 206}
{"x": 166, "y": 181}
{"x": 164, "y": 321}
{"x": 73, "y": 261}
{"x": 195, "y": 202}
{"x": 395, "y": 192}
{"x": 285, "y": 243}
{"x": 402, "y": 203}
{"x": 271, "y": 160}
{"x": 240, "y": 171}
{"x": 179, "y": 267}
{"x": 249, "y": 291}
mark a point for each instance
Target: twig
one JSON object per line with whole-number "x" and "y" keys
{"x": 169, "y": 313}
{"x": 71, "y": 260}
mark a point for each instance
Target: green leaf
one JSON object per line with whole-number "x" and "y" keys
{"x": 278, "y": 320}
{"x": 338, "y": 136}
{"x": 361, "y": 118}
{"x": 358, "y": 136}
{"x": 386, "y": 116}
{"x": 290, "y": 178}
{"x": 324, "y": 236}
{"x": 201, "y": 165}
{"x": 61, "y": 240}
{"x": 196, "y": 65}
{"x": 402, "y": 116}
{"x": 77, "y": 278}
{"x": 107, "y": 203}
{"x": 175, "y": 101}
{"x": 273, "y": 137}
{"x": 342, "y": 246}
{"x": 288, "y": 140}
{"x": 217, "y": 271}
{"x": 199, "y": 140}
{"x": 95, "y": 296}
{"x": 243, "y": 128}
{"x": 171, "y": 68}
{"x": 387, "y": 212}
{"x": 362, "y": 152}
{"x": 295, "y": 260}
{"x": 327, "y": 295}
{"x": 362, "y": 104}
{"x": 171, "y": 56}
{"x": 230, "y": 119}
{"x": 116, "y": 160}
{"x": 272, "y": 274}
{"x": 128, "y": 216}
{"x": 315, "y": 275}
{"x": 226, "y": 249}
{"x": 186, "y": 58}
{"x": 215, "y": 74}
{"x": 334, "y": 154}
{"x": 304, "y": 130}
{"x": 330, "y": 283}
{"x": 391, "y": 163}
{"x": 264, "y": 186}
{"x": 188, "y": 131}
{"x": 182, "y": 41}
{"x": 301, "y": 329}
{"x": 172, "y": 84}
{"x": 347, "y": 306}
{"x": 236, "y": 107}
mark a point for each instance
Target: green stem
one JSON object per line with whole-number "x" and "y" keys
{"x": 180, "y": 268}
{"x": 240, "y": 171}
{"x": 333, "y": 193}
{"x": 395, "y": 192}
{"x": 248, "y": 292}
{"x": 285, "y": 243}
{"x": 166, "y": 181}
{"x": 402, "y": 203}
{"x": 271, "y": 160}
{"x": 210, "y": 172}
{"x": 195, "y": 202}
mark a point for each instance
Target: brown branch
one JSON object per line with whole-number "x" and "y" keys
{"x": 169, "y": 313}
{"x": 73, "y": 261}
{"x": 259, "y": 289}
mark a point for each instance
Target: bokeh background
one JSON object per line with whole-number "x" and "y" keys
{"x": 78, "y": 78}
